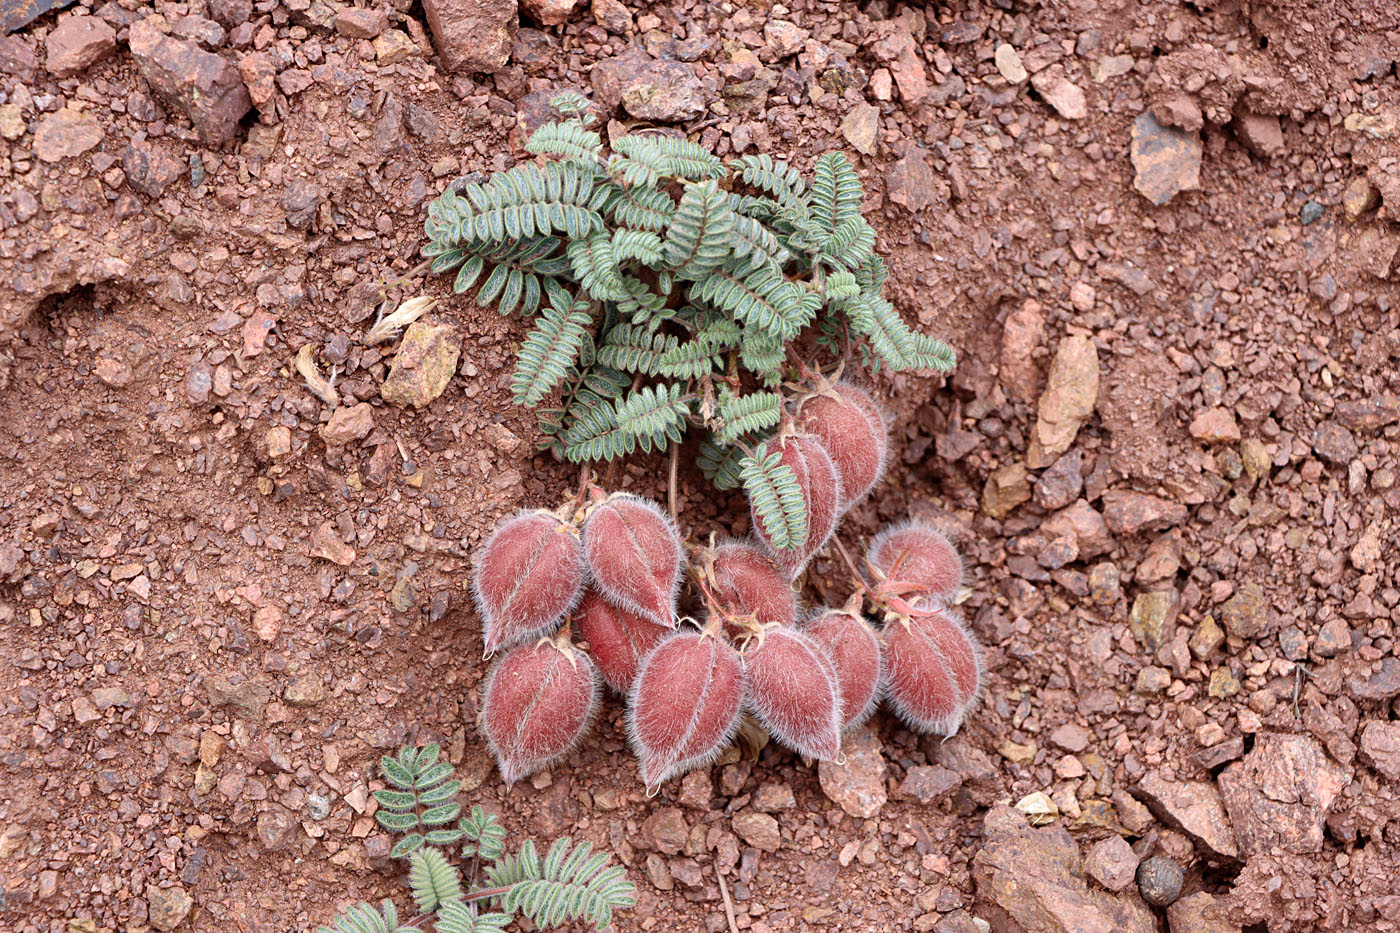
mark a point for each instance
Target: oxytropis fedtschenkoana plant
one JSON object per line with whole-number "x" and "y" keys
{"x": 587, "y": 594}
{"x": 669, "y": 290}
{"x": 565, "y": 885}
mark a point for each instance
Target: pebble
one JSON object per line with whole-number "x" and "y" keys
{"x": 66, "y": 134}
{"x": 858, "y": 785}
{"x": 1380, "y": 747}
{"x": 1166, "y": 160}
{"x": 929, "y": 784}
{"x": 861, "y": 128}
{"x": 1159, "y": 880}
{"x": 167, "y": 908}
{"x": 1193, "y": 807}
{"x": 1112, "y": 863}
{"x": 1008, "y": 62}
{"x": 1153, "y": 618}
{"x": 1127, "y": 512}
{"x": 76, "y": 44}
{"x": 1071, "y": 392}
{"x": 1201, "y": 912}
{"x": 758, "y": 830}
{"x": 1279, "y": 796}
{"x": 1060, "y": 93}
{"x": 424, "y": 364}
{"x": 1215, "y": 426}
{"x": 666, "y": 830}
{"x": 1007, "y": 487}
{"x": 205, "y": 86}
{"x": 318, "y": 807}
{"x": 348, "y": 423}
{"x": 1246, "y": 614}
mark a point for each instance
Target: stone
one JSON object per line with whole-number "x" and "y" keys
{"x": 665, "y": 830}
{"x": 247, "y": 699}
{"x": 1179, "y": 110}
{"x": 1060, "y": 93}
{"x": 259, "y": 73}
{"x": 231, "y": 13}
{"x": 326, "y": 544}
{"x": 276, "y": 829}
{"x": 150, "y": 168}
{"x": 1071, "y": 391}
{"x": 1215, "y": 426}
{"x": 1192, "y": 807}
{"x": 857, "y": 784}
{"x": 1335, "y": 443}
{"x": 665, "y": 91}
{"x": 1153, "y": 618}
{"x": 758, "y": 830}
{"x": 1246, "y": 614}
{"x": 1360, "y": 197}
{"x": 861, "y": 128}
{"x": 769, "y": 798}
{"x": 204, "y": 86}
{"x": 17, "y": 58}
{"x": 930, "y": 783}
{"x": 394, "y": 45}
{"x": 1380, "y": 747}
{"x": 304, "y": 690}
{"x": 1201, "y": 912}
{"x": 1062, "y": 483}
{"x": 1279, "y": 795}
{"x": 85, "y": 711}
{"x": 76, "y": 44}
{"x": 1021, "y": 337}
{"x": 1071, "y": 737}
{"x": 112, "y": 372}
{"x": 107, "y": 697}
{"x": 1128, "y": 512}
{"x": 1008, "y": 62}
{"x": 1031, "y": 878}
{"x": 348, "y": 423}
{"x": 1261, "y": 133}
{"x": 1159, "y": 880}
{"x": 66, "y": 134}
{"x": 784, "y": 38}
{"x": 1007, "y": 487}
{"x": 1166, "y": 161}
{"x": 167, "y": 908}
{"x": 1112, "y": 863}
{"x": 361, "y": 23}
{"x": 613, "y": 16}
{"x": 472, "y": 35}
{"x": 1085, "y": 525}
{"x": 205, "y": 32}
{"x": 425, "y": 362}
{"x": 549, "y": 12}
{"x": 910, "y": 182}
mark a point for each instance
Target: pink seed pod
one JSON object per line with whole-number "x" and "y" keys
{"x": 852, "y": 428}
{"x": 528, "y": 574}
{"x": 917, "y": 561}
{"x": 634, "y": 556}
{"x": 748, "y": 583}
{"x": 617, "y": 639}
{"x": 684, "y": 706}
{"x": 855, "y": 653}
{"x": 539, "y": 702}
{"x": 821, "y": 492}
{"x": 933, "y": 671}
{"x": 792, "y": 688}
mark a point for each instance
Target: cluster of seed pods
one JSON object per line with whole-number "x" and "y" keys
{"x": 587, "y": 595}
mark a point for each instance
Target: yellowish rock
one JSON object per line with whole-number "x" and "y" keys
{"x": 1071, "y": 392}
{"x": 425, "y": 363}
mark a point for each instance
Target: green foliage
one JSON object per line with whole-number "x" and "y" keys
{"x": 569, "y": 885}
{"x": 776, "y": 498}
{"x": 362, "y": 918}
{"x": 422, "y": 801}
{"x": 659, "y": 277}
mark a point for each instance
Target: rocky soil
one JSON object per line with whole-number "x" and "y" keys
{"x": 1162, "y": 237}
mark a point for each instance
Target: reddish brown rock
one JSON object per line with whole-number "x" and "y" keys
{"x": 549, "y": 12}
{"x": 66, "y": 134}
{"x": 1061, "y": 93}
{"x": 1201, "y": 912}
{"x": 348, "y": 423}
{"x": 1215, "y": 426}
{"x": 649, "y": 89}
{"x": 910, "y": 182}
{"x": 76, "y": 44}
{"x": 1071, "y": 391}
{"x": 361, "y": 23}
{"x": 1279, "y": 796}
{"x": 17, "y": 58}
{"x": 1033, "y": 879}
{"x": 201, "y": 84}
{"x": 1022, "y": 335}
{"x": 1380, "y": 748}
{"x": 1081, "y": 522}
{"x": 1167, "y": 161}
{"x": 1128, "y": 512}
{"x": 259, "y": 73}
{"x": 150, "y": 168}
{"x": 857, "y": 783}
{"x": 1260, "y": 133}
{"x": 1112, "y": 863}
{"x": 1194, "y": 808}
{"x": 472, "y": 35}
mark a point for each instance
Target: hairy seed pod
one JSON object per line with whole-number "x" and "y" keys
{"x": 684, "y": 706}
{"x": 538, "y": 703}
{"x": 855, "y": 653}
{"x": 634, "y": 556}
{"x": 821, "y": 494}
{"x": 918, "y": 562}
{"x": 933, "y": 671}
{"x": 852, "y": 428}
{"x": 528, "y": 574}
{"x": 617, "y": 639}
{"x": 748, "y": 583}
{"x": 792, "y": 688}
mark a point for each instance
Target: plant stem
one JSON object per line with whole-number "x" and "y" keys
{"x": 671, "y": 480}
{"x": 481, "y": 894}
